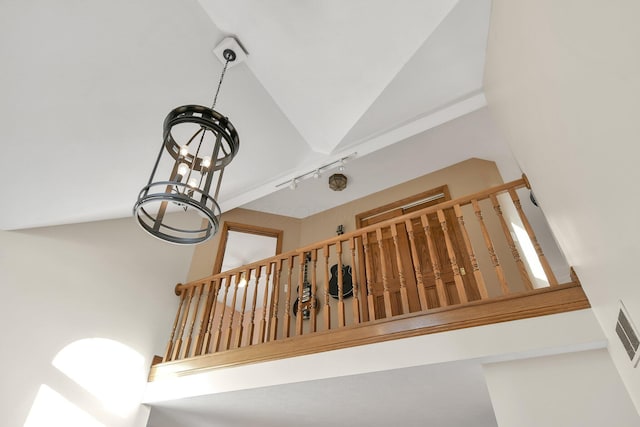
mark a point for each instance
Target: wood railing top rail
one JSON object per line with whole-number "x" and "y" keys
{"x": 461, "y": 201}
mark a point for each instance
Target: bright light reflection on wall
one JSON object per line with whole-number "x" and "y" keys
{"x": 530, "y": 254}
{"x": 51, "y": 409}
{"x": 112, "y": 372}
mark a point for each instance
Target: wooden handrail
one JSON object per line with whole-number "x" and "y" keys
{"x": 414, "y": 263}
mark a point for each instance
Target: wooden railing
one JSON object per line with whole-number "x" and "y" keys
{"x": 457, "y": 254}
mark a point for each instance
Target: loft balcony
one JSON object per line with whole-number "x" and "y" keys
{"x": 432, "y": 266}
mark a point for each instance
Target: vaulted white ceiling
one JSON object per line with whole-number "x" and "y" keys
{"x": 324, "y": 63}
{"x": 86, "y": 86}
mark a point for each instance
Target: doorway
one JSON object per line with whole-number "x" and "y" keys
{"x": 381, "y": 250}
{"x": 242, "y": 244}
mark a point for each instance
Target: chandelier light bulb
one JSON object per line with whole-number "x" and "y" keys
{"x": 183, "y": 169}
{"x": 206, "y": 162}
{"x": 184, "y": 150}
{"x": 192, "y": 183}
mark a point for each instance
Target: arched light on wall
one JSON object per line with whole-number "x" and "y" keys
{"x": 198, "y": 143}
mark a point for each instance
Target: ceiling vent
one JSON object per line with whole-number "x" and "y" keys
{"x": 628, "y": 335}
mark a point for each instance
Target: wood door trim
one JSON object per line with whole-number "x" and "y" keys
{"x": 244, "y": 228}
{"x": 443, "y": 189}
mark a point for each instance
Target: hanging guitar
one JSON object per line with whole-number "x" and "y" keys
{"x": 306, "y": 301}
{"x": 347, "y": 278}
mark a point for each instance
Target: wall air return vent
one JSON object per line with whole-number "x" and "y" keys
{"x": 628, "y": 335}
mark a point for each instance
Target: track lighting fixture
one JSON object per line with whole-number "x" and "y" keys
{"x": 317, "y": 172}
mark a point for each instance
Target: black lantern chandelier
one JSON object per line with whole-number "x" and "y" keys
{"x": 198, "y": 143}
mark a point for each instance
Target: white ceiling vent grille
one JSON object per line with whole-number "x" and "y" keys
{"x": 628, "y": 335}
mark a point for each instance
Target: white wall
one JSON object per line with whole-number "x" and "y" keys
{"x": 562, "y": 80}
{"x": 580, "y": 389}
{"x": 557, "y": 333}
{"x": 62, "y": 284}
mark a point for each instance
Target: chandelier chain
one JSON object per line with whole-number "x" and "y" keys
{"x": 224, "y": 70}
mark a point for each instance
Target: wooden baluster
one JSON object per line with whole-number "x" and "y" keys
{"x": 327, "y": 308}
{"x": 187, "y": 347}
{"x": 218, "y": 336}
{"x": 514, "y": 250}
{"x": 354, "y": 279}
{"x": 492, "y": 252}
{"x": 314, "y": 288}
{"x": 435, "y": 262}
{"x": 482, "y": 288}
{"x": 417, "y": 268}
{"x": 287, "y": 307}
{"x": 388, "y": 312}
{"x": 262, "y": 330}
{"x": 275, "y": 297}
{"x": 212, "y": 313}
{"x": 341, "y": 315}
{"x": 185, "y": 316}
{"x": 300, "y": 293}
{"x": 462, "y": 294}
{"x": 204, "y": 317}
{"x": 404, "y": 296}
{"x": 167, "y": 354}
{"x": 232, "y": 309}
{"x": 254, "y": 302}
{"x": 371, "y": 304}
{"x": 551, "y": 278}
{"x": 246, "y": 275}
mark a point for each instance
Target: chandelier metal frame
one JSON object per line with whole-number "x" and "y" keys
{"x": 197, "y": 167}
